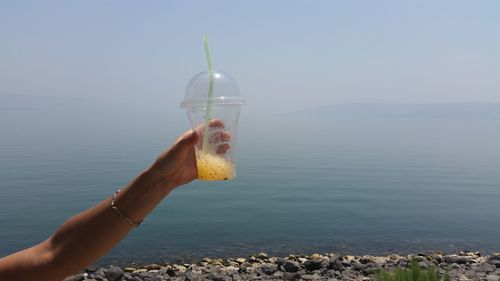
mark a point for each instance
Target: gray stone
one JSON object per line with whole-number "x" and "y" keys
{"x": 113, "y": 273}
{"x": 100, "y": 273}
{"x": 291, "y": 276}
{"x": 77, "y": 277}
{"x": 129, "y": 269}
{"x": 336, "y": 265}
{"x": 144, "y": 275}
{"x": 493, "y": 277}
{"x": 495, "y": 263}
{"x": 394, "y": 257}
{"x": 152, "y": 266}
{"x": 328, "y": 273}
{"x": 229, "y": 270}
{"x": 424, "y": 264}
{"x": 215, "y": 277}
{"x": 358, "y": 266}
{"x": 171, "y": 272}
{"x": 302, "y": 260}
{"x": 419, "y": 258}
{"x": 189, "y": 275}
{"x": 369, "y": 270}
{"x": 237, "y": 277}
{"x": 403, "y": 262}
{"x": 279, "y": 274}
{"x": 262, "y": 256}
{"x": 457, "y": 259}
{"x": 245, "y": 265}
{"x": 240, "y": 260}
{"x": 288, "y": 265}
{"x": 314, "y": 264}
{"x": 367, "y": 259}
{"x": 269, "y": 269}
{"x": 310, "y": 277}
{"x": 485, "y": 267}
{"x": 136, "y": 278}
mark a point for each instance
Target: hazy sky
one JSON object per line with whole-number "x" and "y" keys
{"x": 288, "y": 54}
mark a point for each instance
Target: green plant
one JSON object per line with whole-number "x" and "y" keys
{"x": 414, "y": 273}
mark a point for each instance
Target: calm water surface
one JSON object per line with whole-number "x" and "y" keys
{"x": 303, "y": 185}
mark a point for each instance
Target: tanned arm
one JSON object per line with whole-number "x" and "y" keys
{"x": 89, "y": 235}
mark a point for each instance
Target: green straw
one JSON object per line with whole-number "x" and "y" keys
{"x": 210, "y": 94}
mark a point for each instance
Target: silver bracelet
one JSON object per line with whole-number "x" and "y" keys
{"x": 122, "y": 214}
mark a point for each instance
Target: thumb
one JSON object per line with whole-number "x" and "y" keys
{"x": 185, "y": 143}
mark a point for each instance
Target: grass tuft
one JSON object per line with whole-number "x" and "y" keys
{"x": 414, "y": 273}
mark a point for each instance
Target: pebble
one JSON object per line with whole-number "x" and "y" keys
{"x": 288, "y": 265}
{"x": 180, "y": 268}
{"x": 152, "y": 266}
{"x": 113, "y": 273}
{"x": 492, "y": 277}
{"x": 302, "y": 260}
{"x": 241, "y": 260}
{"x": 310, "y": 277}
{"x": 336, "y": 265}
{"x": 495, "y": 263}
{"x": 262, "y": 256}
{"x": 367, "y": 259}
{"x": 77, "y": 277}
{"x": 291, "y": 276}
{"x": 312, "y": 265}
{"x": 269, "y": 269}
{"x": 394, "y": 257}
{"x": 129, "y": 269}
{"x": 457, "y": 259}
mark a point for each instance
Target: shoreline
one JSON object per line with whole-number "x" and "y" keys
{"x": 461, "y": 266}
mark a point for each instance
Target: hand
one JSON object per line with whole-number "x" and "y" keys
{"x": 177, "y": 165}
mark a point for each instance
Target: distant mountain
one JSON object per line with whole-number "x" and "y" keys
{"x": 83, "y": 105}
{"x": 469, "y": 110}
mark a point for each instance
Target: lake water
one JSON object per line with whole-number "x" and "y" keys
{"x": 304, "y": 184}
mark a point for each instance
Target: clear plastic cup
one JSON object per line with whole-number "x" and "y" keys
{"x": 215, "y": 153}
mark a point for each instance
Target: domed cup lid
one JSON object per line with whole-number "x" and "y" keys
{"x": 225, "y": 90}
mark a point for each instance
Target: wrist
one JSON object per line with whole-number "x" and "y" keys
{"x": 158, "y": 179}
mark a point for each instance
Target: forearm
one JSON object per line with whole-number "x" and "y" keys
{"x": 87, "y": 236}
{"x": 95, "y": 231}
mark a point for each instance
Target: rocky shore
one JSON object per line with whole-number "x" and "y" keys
{"x": 462, "y": 266}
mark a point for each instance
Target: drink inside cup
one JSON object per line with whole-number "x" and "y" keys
{"x": 214, "y": 168}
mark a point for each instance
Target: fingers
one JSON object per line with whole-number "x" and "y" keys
{"x": 218, "y": 138}
{"x": 215, "y": 123}
{"x": 223, "y": 148}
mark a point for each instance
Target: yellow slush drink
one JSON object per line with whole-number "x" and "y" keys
{"x": 213, "y": 168}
